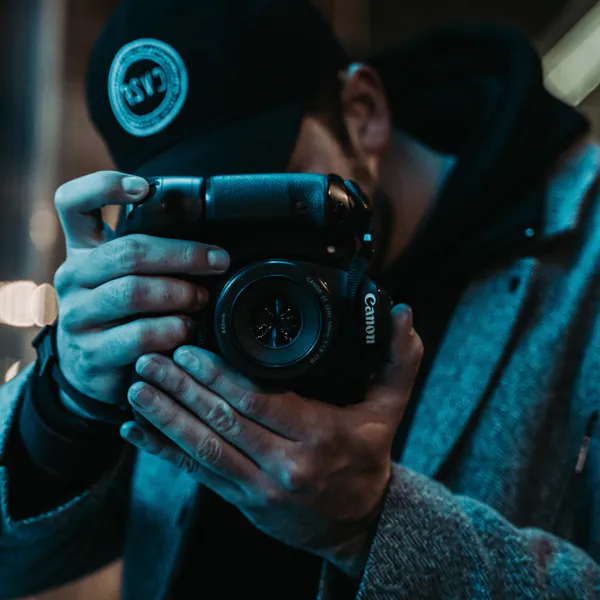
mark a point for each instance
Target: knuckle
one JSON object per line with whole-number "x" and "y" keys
{"x": 187, "y": 293}
{"x": 87, "y": 359}
{"x": 188, "y": 253}
{"x": 296, "y": 476}
{"x": 192, "y": 255}
{"x": 186, "y": 463}
{"x": 69, "y": 316}
{"x": 157, "y": 335}
{"x": 176, "y": 293}
{"x": 107, "y": 184}
{"x": 221, "y": 417}
{"x": 174, "y": 330}
{"x": 131, "y": 291}
{"x": 129, "y": 253}
{"x": 253, "y": 404}
{"x": 63, "y": 278}
{"x": 117, "y": 347}
{"x": 180, "y": 329}
{"x": 166, "y": 416}
{"x": 212, "y": 375}
{"x": 143, "y": 335}
{"x": 272, "y": 496}
{"x": 208, "y": 450}
{"x": 181, "y": 385}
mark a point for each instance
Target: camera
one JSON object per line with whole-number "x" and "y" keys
{"x": 296, "y": 311}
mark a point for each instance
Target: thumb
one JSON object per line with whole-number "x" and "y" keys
{"x": 79, "y": 203}
{"x": 391, "y": 392}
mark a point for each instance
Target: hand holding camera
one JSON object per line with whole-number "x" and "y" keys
{"x": 289, "y": 307}
{"x": 296, "y": 311}
{"x": 287, "y": 402}
{"x": 120, "y": 297}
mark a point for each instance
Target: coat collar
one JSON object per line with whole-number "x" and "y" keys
{"x": 485, "y": 322}
{"x": 470, "y": 354}
{"x": 569, "y": 189}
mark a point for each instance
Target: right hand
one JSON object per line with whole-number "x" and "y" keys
{"x": 107, "y": 285}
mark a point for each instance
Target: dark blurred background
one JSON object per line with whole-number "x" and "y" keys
{"x": 47, "y": 138}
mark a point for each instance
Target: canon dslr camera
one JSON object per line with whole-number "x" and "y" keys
{"x": 296, "y": 310}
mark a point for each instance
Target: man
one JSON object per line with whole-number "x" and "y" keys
{"x": 485, "y": 189}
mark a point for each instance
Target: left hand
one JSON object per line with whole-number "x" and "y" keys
{"x": 307, "y": 473}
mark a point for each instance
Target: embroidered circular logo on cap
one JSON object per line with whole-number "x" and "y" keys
{"x": 148, "y": 85}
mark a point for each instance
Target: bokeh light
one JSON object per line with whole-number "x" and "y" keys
{"x": 44, "y": 305}
{"x": 25, "y": 304}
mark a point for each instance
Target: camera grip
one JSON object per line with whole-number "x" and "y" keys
{"x": 299, "y": 201}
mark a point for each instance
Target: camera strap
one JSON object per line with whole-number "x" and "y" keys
{"x": 356, "y": 272}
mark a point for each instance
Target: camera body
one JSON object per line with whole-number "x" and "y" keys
{"x": 296, "y": 310}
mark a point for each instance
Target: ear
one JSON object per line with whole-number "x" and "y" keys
{"x": 367, "y": 115}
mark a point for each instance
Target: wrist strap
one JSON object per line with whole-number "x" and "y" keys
{"x": 45, "y": 345}
{"x": 56, "y": 452}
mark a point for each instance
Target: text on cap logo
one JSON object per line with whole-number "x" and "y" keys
{"x": 148, "y": 85}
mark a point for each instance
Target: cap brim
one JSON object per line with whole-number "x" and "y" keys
{"x": 262, "y": 144}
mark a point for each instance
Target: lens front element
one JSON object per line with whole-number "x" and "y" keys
{"x": 275, "y": 322}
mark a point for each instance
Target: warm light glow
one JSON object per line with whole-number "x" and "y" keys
{"x": 111, "y": 215}
{"x": 573, "y": 65}
{"x": 25, "y": 304}
{"x": 16, "y": 303}
{"x": 12, "y": 371}
{"x": 44, "y": 305}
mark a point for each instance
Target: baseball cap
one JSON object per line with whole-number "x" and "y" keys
{"x": 207, "y": 87}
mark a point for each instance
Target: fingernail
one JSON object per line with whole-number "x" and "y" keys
{"x": 134, "y": 186}
{"x": 132, "y": 433}
{"x": 144, "y": 366}
{"x": 218, "y": 259}
{"x": 141, "y": 396}
{"x": 187, "y": 360}
{"x": 405, "y": 309}
{"x": 406, "y": 314}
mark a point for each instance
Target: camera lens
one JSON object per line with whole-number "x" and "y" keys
{"x": 275, "y": 321}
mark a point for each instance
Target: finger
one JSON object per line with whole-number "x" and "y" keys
{"x": 288, "y": 414}
{"x": 191, "y": 435}
{"x": 153, "y": 442}
{"x": 123, "y": 345}
{"x": 78, "y": 204}
{"x": 393, "y": 390}
{"x": 129, "y": 296}
{"x": 261, "y": 445}
{"x": 141, "y": 255}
